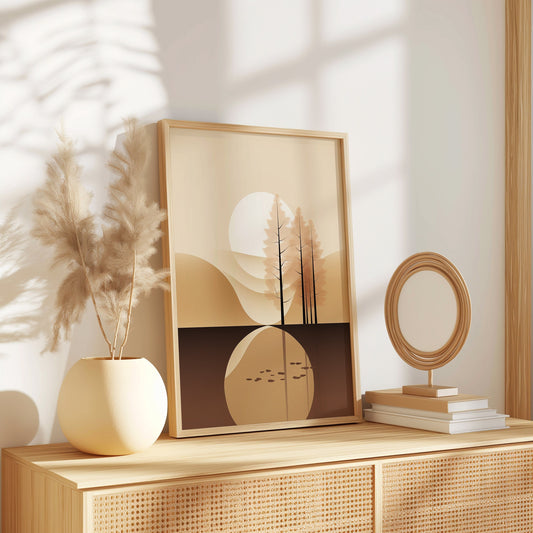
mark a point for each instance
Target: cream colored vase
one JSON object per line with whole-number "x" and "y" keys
{"x": 112, "y": 407}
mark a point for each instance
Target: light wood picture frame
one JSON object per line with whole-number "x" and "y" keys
{"x": 260, "y": 320}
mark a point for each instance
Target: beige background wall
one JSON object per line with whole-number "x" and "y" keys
{"x": 417, "y": 84}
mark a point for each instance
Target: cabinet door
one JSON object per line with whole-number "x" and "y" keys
{"x": 333, "y": 500}
{"x": 489, "y": 490}
{"x": 35, "y": 502}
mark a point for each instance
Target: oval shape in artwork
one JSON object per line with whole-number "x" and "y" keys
{"x": 269, "y": 378}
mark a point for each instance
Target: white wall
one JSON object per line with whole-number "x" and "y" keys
{"x": 417, "y": 84}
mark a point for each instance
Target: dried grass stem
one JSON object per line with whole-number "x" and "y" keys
{"x": 130, "y": 306}
{"x": 91, "y": 292}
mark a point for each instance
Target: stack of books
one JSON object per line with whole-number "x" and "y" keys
{"x": 451, "y": 414}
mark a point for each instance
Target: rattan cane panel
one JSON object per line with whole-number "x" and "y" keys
{"x": 339, "y": 500}
{"x": 467, "y": 493}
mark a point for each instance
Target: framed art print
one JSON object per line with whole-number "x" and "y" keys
{"x": 260, "y": 319}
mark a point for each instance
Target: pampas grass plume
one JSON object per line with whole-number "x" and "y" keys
{"x": 110, "y": 264}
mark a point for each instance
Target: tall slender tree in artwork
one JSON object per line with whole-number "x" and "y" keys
{"x": 296, "y": 255}
{"x": 276, "y": 251}
{"x": 315, "y": 271}
{"x": 306, "y": 260}
{"x": 278, "y": 274}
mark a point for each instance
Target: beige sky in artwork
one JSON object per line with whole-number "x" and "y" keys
{"x": 215, "y": 170}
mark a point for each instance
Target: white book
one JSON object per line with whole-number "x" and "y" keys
{"x": 459, "y": 415}
{"x": 437, "y": 424}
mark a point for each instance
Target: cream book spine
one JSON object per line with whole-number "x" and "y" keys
{"x": 450, "y": 404}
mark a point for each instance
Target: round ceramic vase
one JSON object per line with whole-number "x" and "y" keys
{"x": 112, "y": 407}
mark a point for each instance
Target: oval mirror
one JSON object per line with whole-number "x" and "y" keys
{"x": 427, "y": 311}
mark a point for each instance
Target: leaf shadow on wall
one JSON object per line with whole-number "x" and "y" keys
{"x": 23, "y": 290}
{"x": 22, "y": 293}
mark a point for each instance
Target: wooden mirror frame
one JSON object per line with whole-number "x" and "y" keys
{"x": 518, "y": 208}
{"x": 424, "y": 262}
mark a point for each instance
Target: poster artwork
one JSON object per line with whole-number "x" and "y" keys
{"x": 261, "y": 284}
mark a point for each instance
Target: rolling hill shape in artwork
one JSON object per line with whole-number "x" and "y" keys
{"x": 205, "y": 297}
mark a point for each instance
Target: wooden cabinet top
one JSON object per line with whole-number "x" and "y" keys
{"x": 175, "y": 459}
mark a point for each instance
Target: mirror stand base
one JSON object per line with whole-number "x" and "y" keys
{"x": 432, "y": 391}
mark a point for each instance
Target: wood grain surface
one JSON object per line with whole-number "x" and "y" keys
{"x": 518, "y": 208}
{"x": 171, "y": 459}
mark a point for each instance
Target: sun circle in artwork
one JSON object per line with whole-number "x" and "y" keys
{"x": 269, "y": 378}
{"x": 247, "y": 228}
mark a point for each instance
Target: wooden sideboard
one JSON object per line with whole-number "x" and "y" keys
{"x": 352, "y": 478}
